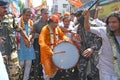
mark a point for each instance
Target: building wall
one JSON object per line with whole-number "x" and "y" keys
{"x": 61, "y": 6}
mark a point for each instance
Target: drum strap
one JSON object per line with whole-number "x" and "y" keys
{"x": 52, "y": 37}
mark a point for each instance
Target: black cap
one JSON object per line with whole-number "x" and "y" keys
{"x": 3, "y": 3}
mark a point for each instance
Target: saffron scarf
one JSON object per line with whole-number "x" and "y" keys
{"x": 115, "y": 50}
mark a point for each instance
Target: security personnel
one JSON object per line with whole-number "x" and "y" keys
{"x": 8, "y": 26}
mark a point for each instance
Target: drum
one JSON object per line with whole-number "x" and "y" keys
{"x": 65, "y": 55}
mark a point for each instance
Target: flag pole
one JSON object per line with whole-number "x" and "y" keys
{"x": 81, "y": 27}
{"x": 93, "y": 4}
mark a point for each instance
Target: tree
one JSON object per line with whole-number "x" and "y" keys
{"x": 21, "y": 5}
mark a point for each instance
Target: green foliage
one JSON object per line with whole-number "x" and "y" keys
{"x": 21, "y": 5}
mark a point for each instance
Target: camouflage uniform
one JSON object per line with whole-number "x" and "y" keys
{"x": 9, "y": 48}
{"x": 87, "y": 66}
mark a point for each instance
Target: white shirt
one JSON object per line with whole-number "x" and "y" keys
{"x": 97, "y": 22}
{"x": 71, "y": 27}
{"x": 105, "y": 57}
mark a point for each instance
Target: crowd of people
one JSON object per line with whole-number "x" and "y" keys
{"x": 27, "y": 45}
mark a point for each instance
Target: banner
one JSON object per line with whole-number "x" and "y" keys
{"x": 87, "y": 5}
{"x": 108, "y": 8}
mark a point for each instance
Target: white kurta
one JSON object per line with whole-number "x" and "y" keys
{"x": 105, "y": 64}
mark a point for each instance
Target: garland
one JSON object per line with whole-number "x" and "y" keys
{"x": 30, "y": 27}
{"x": 52, "y": 36}
{"x": 114, "y": 51}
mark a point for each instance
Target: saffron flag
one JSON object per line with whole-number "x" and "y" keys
{"x": 14, "y": 7}
{"x": 28, "y": 4}
{"x": 87, "y": 5}
{"x": 43, "y": 5}
{"x": 76, "y": 3}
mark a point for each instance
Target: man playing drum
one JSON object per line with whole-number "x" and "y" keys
{"x": 48, "y": 37}
{"x": 68, "y": 29}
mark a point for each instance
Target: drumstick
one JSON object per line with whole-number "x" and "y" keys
{"x": 59, "y": 52}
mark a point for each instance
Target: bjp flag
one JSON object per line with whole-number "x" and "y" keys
{"x": 76, "y": 3}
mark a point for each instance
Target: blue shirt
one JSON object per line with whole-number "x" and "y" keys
{"x": 25, "y": 53}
